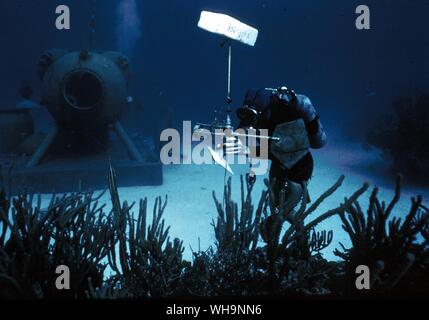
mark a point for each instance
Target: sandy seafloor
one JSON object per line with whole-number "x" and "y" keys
{"x": 191, "y": 208}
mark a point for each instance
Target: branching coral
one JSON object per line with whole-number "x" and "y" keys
{"x": 233, "y": 267}
{"x": 72, "y": 231}
{"x": 388, "y": 247}
{"x": 295, "y": 242}
{"x": 236, "y": 230}
{"x": 146, "y": 262}
{"x": 283, "y": 258}
{"x": 267, "y": 249}
{"x": 320, "y": 240}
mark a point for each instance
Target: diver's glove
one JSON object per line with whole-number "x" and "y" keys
{"x": 251, "y": 176}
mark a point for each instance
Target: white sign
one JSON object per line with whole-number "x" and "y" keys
{"x": 228, "y": 27}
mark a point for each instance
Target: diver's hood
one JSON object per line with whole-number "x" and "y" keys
{"x": 258, "y": 99}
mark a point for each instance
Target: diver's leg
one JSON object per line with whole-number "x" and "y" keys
{"x": 301, "y": 173}
{"x": 293, "y": 193}
{"x": 290, "y": 181}
{"x": 277, "y": 182}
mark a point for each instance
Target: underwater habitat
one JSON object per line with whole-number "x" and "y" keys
{"x": 197, "y": 150}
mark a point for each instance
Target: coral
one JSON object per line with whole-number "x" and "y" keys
{"x": 238, "y": 231}
{"x": 149, "y": 263}
{"x": 234, "y": 267}
{"x": 295, "y": 242}
{"x": 320, "y": 240}
{"x": 388, "y": 247}
{"x": 263, "y": 250}
{"x": 107, "y": 291}
{"x": 425, "y": 234}
{"x": 285, "y": 263}
{"x": 72, "y": 231}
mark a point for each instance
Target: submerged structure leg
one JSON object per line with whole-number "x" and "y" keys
{"x": 132, "y": 149}
{"x": 43, "y": 148}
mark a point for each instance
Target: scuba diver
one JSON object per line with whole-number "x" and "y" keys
{"x": 292, "y": 118}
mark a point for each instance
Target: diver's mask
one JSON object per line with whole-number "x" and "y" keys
{"x": 248, "y": 115}
{"x": 285, "y": 94}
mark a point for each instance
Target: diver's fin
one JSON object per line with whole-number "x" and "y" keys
{"x": 219, "y": 160}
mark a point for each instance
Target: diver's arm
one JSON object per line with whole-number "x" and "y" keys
{"x": 316, "y": 133}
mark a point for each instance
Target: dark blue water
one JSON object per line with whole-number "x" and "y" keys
{"x": 312, "y": 46}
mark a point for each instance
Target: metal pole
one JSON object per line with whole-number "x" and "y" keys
{"x": 229, "y": 99}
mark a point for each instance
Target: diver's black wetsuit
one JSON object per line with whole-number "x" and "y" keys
{"x": 274, "y": 109}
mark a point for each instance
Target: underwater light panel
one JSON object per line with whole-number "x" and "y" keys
{"x": 229, "y": 27}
